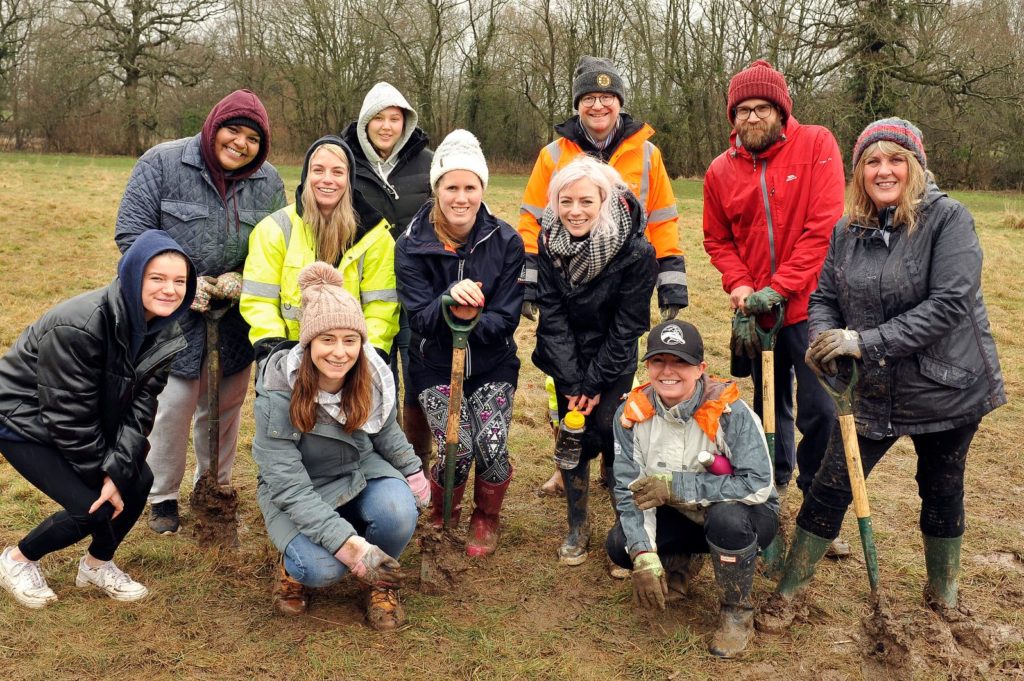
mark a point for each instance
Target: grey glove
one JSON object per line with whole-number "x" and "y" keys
{"x": 762, "y": 302}
{"x": 530, "y": 310}
{"x": 745, "y": 342}
{"x": 832, "y": 344}
{"x": 668, "y": 312}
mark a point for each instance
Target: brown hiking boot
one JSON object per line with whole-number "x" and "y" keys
{"x": 384, "y": 611}
{"x": 290, "y": 596}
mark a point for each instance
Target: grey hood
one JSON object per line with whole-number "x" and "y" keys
{"x": 380, "y": 97}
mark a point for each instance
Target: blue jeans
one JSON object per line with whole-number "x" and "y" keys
{"x": 384, "y": 514}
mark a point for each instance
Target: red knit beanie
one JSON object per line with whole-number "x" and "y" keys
{"x": 759, "y": 81}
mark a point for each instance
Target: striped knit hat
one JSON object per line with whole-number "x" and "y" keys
{"x": 895, "y": 130}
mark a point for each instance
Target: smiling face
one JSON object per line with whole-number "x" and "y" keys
{"x": 334, "y": 353}
{"x": 327, "y": 179}
{"x": 236, "y": 146}
{"x": 673, "y": 378}
{"x": 164, "y": 282}
{"x": 579, "y": 206}
{"x": 385, "y": 129}
{"x": 885, "y": 176}
{"x": 459, "y": 194}
{"x": 599, "y": 118}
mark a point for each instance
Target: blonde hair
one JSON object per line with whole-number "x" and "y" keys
{"x": 861, "y": 210}
{"x": 607, "y": 180}
{"x": 332, "y": 235}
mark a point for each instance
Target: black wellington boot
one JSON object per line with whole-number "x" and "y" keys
{"x": 734, "y": 572}
{"x": 573, "y": 550}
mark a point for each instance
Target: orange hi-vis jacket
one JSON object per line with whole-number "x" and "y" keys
{"x": 639, "y": 162}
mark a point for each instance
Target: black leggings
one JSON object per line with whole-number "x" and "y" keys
{"x": 728, "y": 525}
{"x": 941, "y": 459}
{"x": 48, "y": 470}
{"x": 599, "y": 438}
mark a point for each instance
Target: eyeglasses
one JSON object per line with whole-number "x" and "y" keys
{"x": 761, "y": 111}
{"x": 605, "y": 100}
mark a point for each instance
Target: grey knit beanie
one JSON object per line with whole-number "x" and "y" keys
{"x": 596, "y": 74}
{"x": 326, "y": 304}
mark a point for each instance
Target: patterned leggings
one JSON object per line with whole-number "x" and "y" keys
{"x": 483, "y": 430}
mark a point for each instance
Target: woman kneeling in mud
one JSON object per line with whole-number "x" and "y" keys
{"x": 338, "y": 483}
{"x": 900, "y": 295}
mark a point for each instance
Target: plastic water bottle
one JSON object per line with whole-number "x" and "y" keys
{"x": 569, "y": 443}
{"x": 715, "y": 464}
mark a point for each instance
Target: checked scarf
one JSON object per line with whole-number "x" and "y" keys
{"x": 583, "y": 260}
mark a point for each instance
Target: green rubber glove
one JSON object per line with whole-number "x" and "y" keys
{"x": 745, "y": 341}
{"x": 762, "y": 302}
{"x": 832, "y": 344}
{"x": 652, "y": 491}
{"x": 649, "y": 584}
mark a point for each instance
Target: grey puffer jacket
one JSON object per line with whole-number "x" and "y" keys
{"x": 170, "y": 189}
{"x": 304, "y": 477}
{"x": 929, "y": 362}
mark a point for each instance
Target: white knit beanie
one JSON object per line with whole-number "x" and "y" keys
{"x": 460, "y": 150}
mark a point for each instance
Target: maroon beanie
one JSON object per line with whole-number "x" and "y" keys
{"x": 759, "y": 81}
{"x": 239, "y": 105}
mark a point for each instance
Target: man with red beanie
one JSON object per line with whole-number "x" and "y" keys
{"x": 770, "y": 203}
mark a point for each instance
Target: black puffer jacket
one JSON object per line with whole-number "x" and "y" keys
{"x": 587, "y": 336}
{"x": 410, "y": 179}
{"x": 71, "y": 381}
{"x": 929, "y": 361}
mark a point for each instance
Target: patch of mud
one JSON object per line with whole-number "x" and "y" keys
{"x": 214, "y": 513}
{"x": 886, "y": 636}
{"x": 442, "y": 561}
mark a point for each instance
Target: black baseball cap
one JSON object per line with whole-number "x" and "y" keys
{"x": 674, "y": 337}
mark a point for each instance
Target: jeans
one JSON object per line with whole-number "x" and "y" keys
{"x": 384, "y": 514}
{"x": 729, "y": 525}
{"x": 48, "y": 470}
{"x": 816, "y": 414}
{"x": 941, "y": 460}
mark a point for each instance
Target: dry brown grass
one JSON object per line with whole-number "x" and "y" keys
{"x": 520, "y": 615}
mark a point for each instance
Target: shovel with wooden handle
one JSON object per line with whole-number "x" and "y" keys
{"x": 773, "y": 556}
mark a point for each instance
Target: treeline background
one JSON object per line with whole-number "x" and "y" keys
{"x": 116, "y": 76}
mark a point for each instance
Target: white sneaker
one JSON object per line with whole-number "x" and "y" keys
{"x": 111, "y": 579}
{"x": 25, "y": 581}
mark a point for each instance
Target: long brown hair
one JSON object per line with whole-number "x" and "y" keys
{"x": 356, "y": 394}
{"x": 442, "y": 229}
{"x": 332, "y": 236}
{"x": 861, "y": 210}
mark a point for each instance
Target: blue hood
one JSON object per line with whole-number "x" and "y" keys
{"x": 130, "y": 269}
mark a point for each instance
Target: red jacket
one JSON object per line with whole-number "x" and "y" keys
{"x": 799, "y": 179}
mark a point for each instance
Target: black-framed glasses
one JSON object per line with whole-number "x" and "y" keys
{"x": 605, "y": 100}
{"x": 761, "y": 111}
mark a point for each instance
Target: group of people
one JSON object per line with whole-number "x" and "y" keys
{"x": 387, "y": 241}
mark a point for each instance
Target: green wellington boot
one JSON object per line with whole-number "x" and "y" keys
{"x": 942, "y": 560}
{"x": 804, "y": 553}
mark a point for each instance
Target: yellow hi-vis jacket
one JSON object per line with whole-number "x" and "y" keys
{"x": 282, "y": 244}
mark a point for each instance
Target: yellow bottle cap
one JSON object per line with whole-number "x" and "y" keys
{"x": 574, "y": 420}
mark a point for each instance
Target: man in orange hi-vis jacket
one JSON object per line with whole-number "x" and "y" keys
{"x": 601, "y": 130}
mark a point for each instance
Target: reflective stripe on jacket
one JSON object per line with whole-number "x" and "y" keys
{"x": 282, "y": 244}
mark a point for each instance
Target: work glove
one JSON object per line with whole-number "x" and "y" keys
{"x": 530, "y": 310}
{"x": 228, "y": 286}
{"x": 668, "y": 312}
{"x": 832, "y": 344}
{"x": 745, "y": 342}
{"x": 206, "y": 288}
{"x": 762, "y": 302}
{"x": 369, "y": 563}
{"x": 649, "y": 584}
{"x": 420, "y": 489}
{"x": 652, "y": 491}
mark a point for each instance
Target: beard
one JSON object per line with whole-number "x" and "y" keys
{"x": 758, "y": 136}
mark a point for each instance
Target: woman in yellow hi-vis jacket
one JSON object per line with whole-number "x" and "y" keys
{"x": 329, "y": 221}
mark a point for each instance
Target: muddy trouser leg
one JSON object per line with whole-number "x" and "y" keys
{"x": 232, "y": 394}
{"x": 172, "y": 426}
{"x": 434, "y": 402}
{"x": 49, "y": 471}
{"x": 674, "y": 533}
{"x": 785, "y": 451}
{"x": 826, "y": 502}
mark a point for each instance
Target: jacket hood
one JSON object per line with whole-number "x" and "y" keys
{"x": 380, "y": 97}
{"x": 239, "y": 104}
{"x": 789, "y": 129}
{"x": 367, "y": 216}
{"x": 130, "y": 270}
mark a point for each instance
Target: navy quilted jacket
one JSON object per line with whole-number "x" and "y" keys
{"x": 170, "y": 189}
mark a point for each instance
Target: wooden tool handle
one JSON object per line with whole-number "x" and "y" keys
{"x": 854, "y": 466}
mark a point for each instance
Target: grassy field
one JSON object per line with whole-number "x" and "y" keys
{"x": 519, "y": 615}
